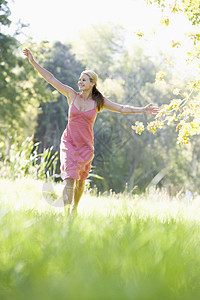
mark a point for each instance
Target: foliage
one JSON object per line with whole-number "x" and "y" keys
{"x": 120, "y": 156}
{"x": 60, "y": 61}
{"x": 9, "y": 102}
{"x": 24, "y": 160}
{"x": 184, "y": 111}
{"x": 20, "y": 90}
{"x": 127, "y": 77}
{"x": 190, "y": 7}
{"x": 144, "y": 248}
{"x": 99, "y": 47}
{"x": 47, "y": 164}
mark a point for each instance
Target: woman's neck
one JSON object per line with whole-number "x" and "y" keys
{"x": 86, "y": 95}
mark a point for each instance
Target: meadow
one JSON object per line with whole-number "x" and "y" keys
{"x": 116, "y": 247}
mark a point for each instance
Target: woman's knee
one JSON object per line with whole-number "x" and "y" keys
{"x": 69, "y": 182}
{"x": 80, "y": 183}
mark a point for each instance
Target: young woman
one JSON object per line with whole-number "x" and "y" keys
{"x": 77, "y": 146}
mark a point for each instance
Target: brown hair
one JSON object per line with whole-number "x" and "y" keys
{"x": 96, "y": 94}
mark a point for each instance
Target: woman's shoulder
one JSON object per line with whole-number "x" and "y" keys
{"x": 72, "y": 95}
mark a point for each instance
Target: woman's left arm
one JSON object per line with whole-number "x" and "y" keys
{"x": 128, "y": 109}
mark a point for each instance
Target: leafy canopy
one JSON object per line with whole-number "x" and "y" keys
{"x": 184, "y": 109}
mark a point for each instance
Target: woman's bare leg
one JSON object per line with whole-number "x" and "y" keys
{"x": 68, "y": 192}
{"x": 78, "y": 192}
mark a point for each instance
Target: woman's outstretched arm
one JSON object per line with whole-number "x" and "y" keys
{"x": 62, "y": 88}
{"x": 128, "y": 109}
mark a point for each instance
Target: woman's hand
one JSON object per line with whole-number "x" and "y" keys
{"x": 151, "y": 109}
{"x": 28, "y": 54}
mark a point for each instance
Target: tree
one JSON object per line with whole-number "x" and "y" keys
{"x": 104, "y": 42}
{"x": 190, "y": 7}
{"x": 19, "y": 88}
{"x": 52, "y": 120}
{"x": 121, "y": 156}
{"x": 183, "y": 111}
{"x": 8, "y": 106}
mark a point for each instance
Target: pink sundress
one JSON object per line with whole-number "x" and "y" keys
{"x": 77, "y": 143}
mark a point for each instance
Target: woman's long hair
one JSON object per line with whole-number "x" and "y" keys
{"x": 96, "y": 94}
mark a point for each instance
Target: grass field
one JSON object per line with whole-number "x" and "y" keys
{"x": 117, "y": 247}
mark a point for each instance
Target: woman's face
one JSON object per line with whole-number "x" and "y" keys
{"x": 84, "y": 83}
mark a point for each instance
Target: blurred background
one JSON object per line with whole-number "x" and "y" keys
{"x": 128, "y": 44}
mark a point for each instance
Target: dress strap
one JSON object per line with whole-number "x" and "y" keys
{"x": 74, "y": 98}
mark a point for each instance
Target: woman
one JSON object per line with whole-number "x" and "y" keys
{"x": 77, "y": 147}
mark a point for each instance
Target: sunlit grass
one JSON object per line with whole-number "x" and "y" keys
{"x": 117, "y": 247}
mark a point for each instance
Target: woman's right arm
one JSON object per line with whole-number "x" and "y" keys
{"x": 62, "y": 88}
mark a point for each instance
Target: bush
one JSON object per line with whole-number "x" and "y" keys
{"x": 24, "y": 160}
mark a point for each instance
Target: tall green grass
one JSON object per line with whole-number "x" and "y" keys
{"x": 117, "y": 247}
